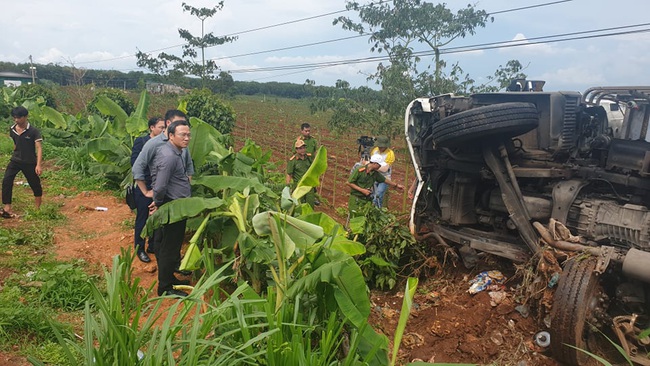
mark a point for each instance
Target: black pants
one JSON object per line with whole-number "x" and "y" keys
{"x": 141, "y": 215}
{"x": 29, "y": 170}
{"x": 168, "y": 254}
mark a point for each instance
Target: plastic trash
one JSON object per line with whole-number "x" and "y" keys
{"x": 543, "y": 339}
{"x": 484, "y": 280}
{"x": 100, "y": 208}
{"x": 553, "y": 281}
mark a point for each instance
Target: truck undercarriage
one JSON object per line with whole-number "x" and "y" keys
{"x": 495, "y": 169}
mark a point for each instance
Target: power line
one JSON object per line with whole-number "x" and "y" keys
{"x": 478, "y": 47}
{"x": 530, "y": 7}
{"x": 289, "y": 47}
{"x": 298, "y": 21}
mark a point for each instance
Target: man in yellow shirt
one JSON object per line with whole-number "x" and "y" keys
{"x": 382, "y": 148}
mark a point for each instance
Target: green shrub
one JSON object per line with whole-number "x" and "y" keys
{"x": 18, "y": 319}
{"x": 208, "y": 107}
{"x": 388, "y": 243}
{"x": 32, "y": 92}
{"x": 64, "y": 286}
{"x": 115, "y": 95}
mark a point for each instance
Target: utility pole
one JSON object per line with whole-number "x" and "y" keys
{"x": 32, "y": 69}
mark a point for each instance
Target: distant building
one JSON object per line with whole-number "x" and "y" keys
{"x": 160, "y": 88}
{"x": 10, "y": 78}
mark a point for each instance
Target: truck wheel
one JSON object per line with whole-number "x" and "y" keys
{"x": 503, "y": 120}
{"x": 577, "y": 303}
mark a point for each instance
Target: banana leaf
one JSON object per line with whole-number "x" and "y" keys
{"x": 54, "y": 116}
{"x": 243, "y": 208}
{"x": 108, "y": 107}
{"x": 296, "y": 232}
{"x": 350, "y": 292}
{"x": 221, "y": 182}
{"x": 206, "y": 140}
{"x": 311, "y": 178}
{"x": 192, "y": 257}
{"x": 180, "y": 209}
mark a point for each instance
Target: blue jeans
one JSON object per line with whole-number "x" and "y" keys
{"x": 379, "y": 191}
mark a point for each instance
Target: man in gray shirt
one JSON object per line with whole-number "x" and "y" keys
{"x": 144, "y": 166}
{"x": 144, "y": 161}
{"x": 170, "y": 182}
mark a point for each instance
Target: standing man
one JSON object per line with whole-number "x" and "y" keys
{"x": 382, "y": 148}
{"x": 171, "y": 182}
{"x": 361, "y": 183}
{"x": 147, "y": 155}
{"x": 297, "y": 166}
{"x": 156, "y": 127}
{"x": 27, "y": 158}
{"x": 311, "y": 145}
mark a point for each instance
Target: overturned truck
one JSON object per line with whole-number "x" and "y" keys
{"x": 493, "y": 169}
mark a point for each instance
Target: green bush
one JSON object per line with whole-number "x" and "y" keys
{"x": 115, "y": 95}
{"x": 64, "y": 286}
{"x": 208, "y": 107}
{"x": 32, "y": 92}
{"x": 11, "y": 97}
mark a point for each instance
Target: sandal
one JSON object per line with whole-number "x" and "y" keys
{"x": 7, "y": 215}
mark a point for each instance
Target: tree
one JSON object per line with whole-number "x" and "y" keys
{"x": 399, "y": 28}
{"x": 173, "y": 66}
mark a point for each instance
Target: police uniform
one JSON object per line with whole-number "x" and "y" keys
{"x": 310, "y": 144}
{"x": 296, "y": 168}
{"x": 365, "y": 180}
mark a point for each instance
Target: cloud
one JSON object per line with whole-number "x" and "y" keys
{"x": 577, "y": 76}
{"x": 526, "y": 47}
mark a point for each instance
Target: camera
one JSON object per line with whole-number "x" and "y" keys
{"x": 366, "y": 143}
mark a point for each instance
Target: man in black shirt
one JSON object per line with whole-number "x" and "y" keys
{"x": 170, "y": 182}
{"x": 27, "y": 157}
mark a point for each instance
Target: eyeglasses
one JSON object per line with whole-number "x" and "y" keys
{"x": 183, "y": 135}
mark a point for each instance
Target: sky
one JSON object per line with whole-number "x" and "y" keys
{"x": 107, "y": 34}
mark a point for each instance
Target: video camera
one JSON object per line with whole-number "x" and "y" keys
{"x": 366, "y": 143}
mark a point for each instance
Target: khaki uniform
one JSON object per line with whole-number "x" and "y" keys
{"x": 296, "y": 168}
{"x": 365, "y": 180}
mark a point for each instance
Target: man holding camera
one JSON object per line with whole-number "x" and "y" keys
{"x": 362, "y": 181}
{"x": 382, "y": 148}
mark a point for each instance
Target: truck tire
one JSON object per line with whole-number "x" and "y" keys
{"x": 575, "y": 304}
{"x": 503, "y": 120}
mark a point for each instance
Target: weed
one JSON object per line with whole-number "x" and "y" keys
{"x": 64, "y": 286}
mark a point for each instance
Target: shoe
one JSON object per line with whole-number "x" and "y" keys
{"x": 173, "y": 293}
{"x": 178, "y": 281}
{"x": 151, "y": 250}
{"x": 7, "y": 215}
{"x": 143, "y": 257}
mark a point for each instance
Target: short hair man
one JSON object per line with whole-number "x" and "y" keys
{"x": 311, "y": 145}
{"x": 156, "y": 127}
{"x": 171, "y": 182}
{"x": 382, "y": 148}
{"x": 27, "y": 157}
{"x": 297, "y": 166}
{"x": 146, "y": 158}
{"x": 361, "y": 183}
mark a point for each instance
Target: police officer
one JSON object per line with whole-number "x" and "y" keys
{"x": 361, "y": 183}
{"x": 297, "y": 166}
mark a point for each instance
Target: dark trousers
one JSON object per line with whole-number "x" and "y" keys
{"x": 29, "y": 170}
{"x": 141, "y": 215}
{"x": 168, "y": 254}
